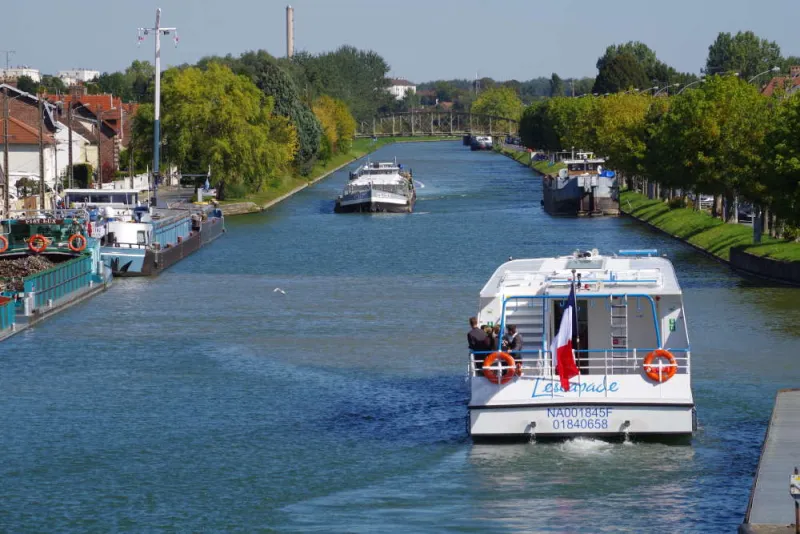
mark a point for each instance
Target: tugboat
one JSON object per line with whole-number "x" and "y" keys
{"x": 139, "y": 240}
{"x": 606, "y": 350}
{"x": 582, "y": 188}
{"x": 378, "y": 187}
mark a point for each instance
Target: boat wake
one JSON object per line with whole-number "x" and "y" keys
{"x": 586, "y": 447}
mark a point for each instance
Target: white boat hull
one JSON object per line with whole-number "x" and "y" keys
{"x": 571, "y": 420}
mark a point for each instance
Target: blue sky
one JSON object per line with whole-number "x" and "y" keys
{"x": 421, "y": 40}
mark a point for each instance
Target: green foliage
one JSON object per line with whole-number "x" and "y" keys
{"x": 357, "y": 77}
{"x": 52, "y": 84}
{"x": 338, "y": 126}
{"x": 618, "y": 130}
{"x": 264, "y": 71}
{"x": 26, "y": 83}
{"x": 499, "y": 102}
{"x": 716, "y": 136}
{"x": 620, "y": 73}
{"x": 745, "y": 53}
{"x": 784, "y": 159}
{"x": 218, "y": 119}
{"x": 556, "y": 85}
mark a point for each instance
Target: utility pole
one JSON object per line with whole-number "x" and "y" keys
{"x": 158, "y": 30}
{"x": 41, "y": 153}
{"x": 6, "y": 170}
{"x": 99, "y": 145}
{"x": 69, "y": 132}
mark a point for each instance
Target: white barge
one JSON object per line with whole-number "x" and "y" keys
{"x": 629, "y": 342}
{"x": 378, "y": 187}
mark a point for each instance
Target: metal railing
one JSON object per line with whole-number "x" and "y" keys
{"x": 540, "y": 363}
{"x": 58, "y": 282}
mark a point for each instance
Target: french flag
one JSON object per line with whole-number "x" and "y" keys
{"x": 562, "y": 345}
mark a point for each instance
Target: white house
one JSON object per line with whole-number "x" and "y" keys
{"x": 13, "y": 73}
{"x": 74, "y": 76}
{"x": 399, "y": 87}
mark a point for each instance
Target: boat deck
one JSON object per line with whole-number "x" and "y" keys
{"x": 771, "y": 508}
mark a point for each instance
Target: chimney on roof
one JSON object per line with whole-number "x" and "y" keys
{"x": 289, "y": 31}
{"x": 794, "y": 70}
{"x": 77, "y": 91}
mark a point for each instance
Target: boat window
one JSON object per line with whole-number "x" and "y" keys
{"x": 141, "y": 237}
{"x": 584, "y": 263}
{"x": 576, "y": 166}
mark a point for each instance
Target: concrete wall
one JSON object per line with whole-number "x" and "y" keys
{"x": 780, "y": 271}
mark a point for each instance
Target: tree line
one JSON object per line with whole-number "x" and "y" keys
{"x": 255, "y": 120}
{"x": 721, "y": 138}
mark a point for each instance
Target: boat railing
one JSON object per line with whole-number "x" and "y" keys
{"x": 592, "y": 362}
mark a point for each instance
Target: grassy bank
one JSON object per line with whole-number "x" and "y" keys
{"x": 361, "y": 147}
{"x": 523, "y": 157}
{"x": 704, "y": 231}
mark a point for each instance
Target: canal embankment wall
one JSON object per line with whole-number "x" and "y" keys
{"x": 247, "y": 206}
{"x": 728, "y": 243}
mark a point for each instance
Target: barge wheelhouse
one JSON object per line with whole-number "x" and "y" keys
{"x": 630, "y": 343}
{"x": 582, "y": 188}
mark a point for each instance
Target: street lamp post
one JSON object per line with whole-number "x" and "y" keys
{"x": 666, "y": 87}
{"x": 773, "y": 69}
{"x": 688, "y": 85}
{"x": 158, "y": 31}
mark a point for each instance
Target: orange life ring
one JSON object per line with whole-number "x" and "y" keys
{"x": 505, "y": 375}
{"x": 667, "y": 372}
{"x": 71, "y": 242}
{"x": 37, "y": 238}
{"x": 3, "y": 243}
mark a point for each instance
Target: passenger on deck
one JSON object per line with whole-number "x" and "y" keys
{"x": 478, "y": 341}
{"x": 512, "y": 342}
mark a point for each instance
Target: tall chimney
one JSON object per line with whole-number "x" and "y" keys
{"x": 289, "y": 31}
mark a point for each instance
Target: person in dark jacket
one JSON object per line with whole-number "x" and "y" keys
{"x": 478, "y": 341}
{"x": 512, "y": 343}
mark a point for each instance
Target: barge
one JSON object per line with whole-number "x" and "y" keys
{"x": 378, "y": 187}
{"x": 603, "y": 350}
{"x": 582, "y": 188}
{"x": 49, "y": 262}
{"x": 139, "y": 240}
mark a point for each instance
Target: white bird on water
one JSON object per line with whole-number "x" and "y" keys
{"x": 279, "y": 290}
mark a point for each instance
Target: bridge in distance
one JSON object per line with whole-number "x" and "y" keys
{"x": 434, "y": 123}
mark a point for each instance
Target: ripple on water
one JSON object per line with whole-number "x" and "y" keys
{"x": 203, "y": 400}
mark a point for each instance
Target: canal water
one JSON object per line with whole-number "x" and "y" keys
{"x": 207, "y": 400}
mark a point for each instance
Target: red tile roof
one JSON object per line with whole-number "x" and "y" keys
{"x": 401, "y": 82}
{"x": 23, "y": 134}
{"x": 777, "y": 81}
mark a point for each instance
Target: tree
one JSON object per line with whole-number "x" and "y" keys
{"x": 556, "y": 85}
{"x": 115, "y": 83}
{"x": 622, "y": 72}
{"x": 783, "y": 176}
{"x": 218, "y": 119}
{"x": 26, "y": 83}
{"x": 263, "y": 70}
{"x": 140, "y": 76}
{"x": 619, "y": 130}
{"x": 499, "y": 102}
{"x": 52, "y": 84}
{"x": 744, "y": 53}
{"x": 715, "y": 138}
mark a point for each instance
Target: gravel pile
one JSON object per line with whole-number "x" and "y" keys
{"x": 19, "y": 268}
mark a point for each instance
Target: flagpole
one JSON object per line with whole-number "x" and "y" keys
{"x": 575, "y": 333}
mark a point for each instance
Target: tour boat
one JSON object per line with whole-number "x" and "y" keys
{"x": 583, "y": 187}
{"x": 624, "y": 338}
{"x": 378, "y": 187}
{"x": 139, "y": 240}
{"x": 481, "y": 142}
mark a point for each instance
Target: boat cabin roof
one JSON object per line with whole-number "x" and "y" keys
{"x": 630, "y": 272}
{"x": 101, "y": 191}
